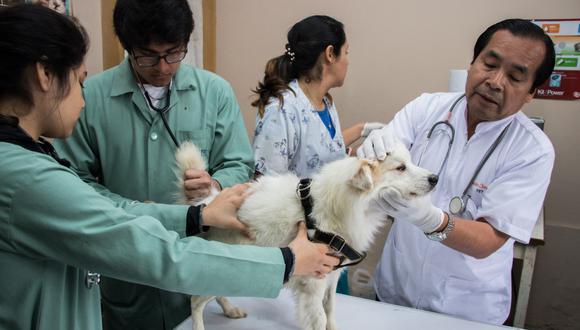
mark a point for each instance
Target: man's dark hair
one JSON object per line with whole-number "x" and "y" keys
{"x": 35, "y": 34}
{"x": 138, "y": 23}
{"x": 524, "y": 29}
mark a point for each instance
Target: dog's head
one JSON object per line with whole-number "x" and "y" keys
{"x": 363, "y": 176}
{"x": 343, "y": 190}
{"x": 397, "y": 171}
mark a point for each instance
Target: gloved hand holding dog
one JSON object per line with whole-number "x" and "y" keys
{"x": 369, "y": 127}
{"x": 418, "y": 211}
{"x": 379, "y": 143}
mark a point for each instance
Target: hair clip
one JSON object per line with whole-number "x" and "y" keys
{"x": 290, "y": 53}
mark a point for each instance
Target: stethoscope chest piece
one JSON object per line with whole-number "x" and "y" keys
{"x": 456, "y": 206}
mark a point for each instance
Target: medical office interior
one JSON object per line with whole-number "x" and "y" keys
{"x": 398, "y": 50}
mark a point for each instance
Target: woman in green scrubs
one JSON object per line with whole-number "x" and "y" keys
{"x": 57, "y": 233}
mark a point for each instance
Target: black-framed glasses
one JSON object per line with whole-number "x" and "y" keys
{"x": 145, "y": 61}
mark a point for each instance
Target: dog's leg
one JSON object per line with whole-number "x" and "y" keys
{"x": 230, "y": 310}
{"x": 197, "y": 305}
{"x": 309, "y": 296}
{"x": 328, "y": 301}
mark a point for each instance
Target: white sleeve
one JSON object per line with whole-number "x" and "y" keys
{"x": 514, "y": 200}
{"x": 409, "y": 121}
{"x": 275, "y": 139}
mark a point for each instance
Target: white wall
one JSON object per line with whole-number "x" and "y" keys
{"x": 399, "y": 49}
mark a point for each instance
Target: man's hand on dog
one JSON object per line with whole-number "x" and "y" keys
{"x": 418, "y": 211}
{"x": 197, "y": 184}
{"x": 377, "y": 145}
{"x": 221, "y": 212}
{"x": 311, "y": 259}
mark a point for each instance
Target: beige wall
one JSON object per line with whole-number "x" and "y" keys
{"x": 399, "y": 50}
{"x": 89, "y": 14}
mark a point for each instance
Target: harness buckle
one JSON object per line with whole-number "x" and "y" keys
{"x": 303, "y": 186}
{"x": 337, "y": 243}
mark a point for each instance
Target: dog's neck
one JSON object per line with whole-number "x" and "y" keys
{"x": 340, "y": 209}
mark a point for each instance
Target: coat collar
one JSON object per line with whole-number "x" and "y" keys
{"x": 303, "y": 99}
{"x": 11, "y": 132}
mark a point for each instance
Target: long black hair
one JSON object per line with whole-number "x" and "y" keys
{"x": 307, "y": 39}
{"x": 35, "y": 34}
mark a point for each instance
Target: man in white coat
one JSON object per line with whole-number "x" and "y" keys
{"x": 452, "y": 252}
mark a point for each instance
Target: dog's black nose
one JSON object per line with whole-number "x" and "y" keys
{"x": 433, "y": 180}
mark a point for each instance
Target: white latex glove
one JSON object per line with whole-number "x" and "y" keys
{"x": 369, "y": 127}
{"x": 418, "y": 211}
{"x": 377, "y": 145}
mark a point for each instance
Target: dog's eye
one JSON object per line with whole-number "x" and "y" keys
{"x": 401, "y": 168}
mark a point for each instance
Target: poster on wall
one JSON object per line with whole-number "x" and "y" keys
{"x": 564, "y": 83}
{"x": 61, "y": 6}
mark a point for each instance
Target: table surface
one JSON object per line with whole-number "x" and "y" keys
{"x": 351, "y": 313}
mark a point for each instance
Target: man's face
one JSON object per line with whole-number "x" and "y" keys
{"x": 160, "y": 74}
{"x": 500, "y": 78}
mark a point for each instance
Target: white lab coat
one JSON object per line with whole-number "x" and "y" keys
{"x": 508, "y": 192}
{"x": 293, "y": 138}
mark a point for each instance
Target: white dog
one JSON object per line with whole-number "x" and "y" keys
{"x": 341, "y": 193}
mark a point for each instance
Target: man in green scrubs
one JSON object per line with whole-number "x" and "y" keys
{"x": 123, "y": 149}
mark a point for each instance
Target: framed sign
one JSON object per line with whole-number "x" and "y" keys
{"x": 564, "y": 83}
{"x": 61, "y": 6}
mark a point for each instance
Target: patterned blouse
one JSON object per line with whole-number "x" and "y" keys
{"x": 294, "y": 138}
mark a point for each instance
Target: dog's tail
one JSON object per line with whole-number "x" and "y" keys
{"x": 187, "y": 157}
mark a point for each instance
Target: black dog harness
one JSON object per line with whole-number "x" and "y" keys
{"x": 336, "y": 242}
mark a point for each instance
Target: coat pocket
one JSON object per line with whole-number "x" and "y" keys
{"x": 200, "y": 137}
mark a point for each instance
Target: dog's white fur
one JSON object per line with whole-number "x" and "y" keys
{"x": 342, "y": 192}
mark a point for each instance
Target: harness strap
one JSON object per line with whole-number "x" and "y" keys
{"x": 334, "y": 241}
{"x": 338, "y": 244}
{"x": 303, "y": 193}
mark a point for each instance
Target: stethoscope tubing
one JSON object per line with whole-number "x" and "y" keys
{"x": 461, "y": 200}
{"x": 488, "y": 153}
{"x": 160, "y": 111}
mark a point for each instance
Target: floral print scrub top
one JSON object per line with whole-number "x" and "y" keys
{"x": 294, "y": 138}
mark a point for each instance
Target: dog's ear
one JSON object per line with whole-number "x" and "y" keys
{"x": 364, "y": 179}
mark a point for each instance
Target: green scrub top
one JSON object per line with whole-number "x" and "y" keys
{"x": 122, "y": 149}
{"x": 54, "y": 227}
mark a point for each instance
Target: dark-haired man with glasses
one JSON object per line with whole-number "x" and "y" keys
{"x": 125, "y": 140}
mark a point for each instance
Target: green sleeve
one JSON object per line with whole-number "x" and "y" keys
{"x": 55, "y": 215}
{"x": 81, "y": 148}
{"x": 231, "y": 160}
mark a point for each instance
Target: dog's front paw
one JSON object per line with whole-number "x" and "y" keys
{"x": 331, "y": 326}
{"x": 235, "y": 313}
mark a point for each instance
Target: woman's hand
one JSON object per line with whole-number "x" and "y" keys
{"x": 312, "y": 259}
{"x": 222, "y": 211}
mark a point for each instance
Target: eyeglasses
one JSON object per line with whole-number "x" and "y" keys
{"x": 145, "y": 61}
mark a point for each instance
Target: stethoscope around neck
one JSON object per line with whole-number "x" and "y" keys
{"x": 457, "y": 204}
{"x": 160, "y": 111}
